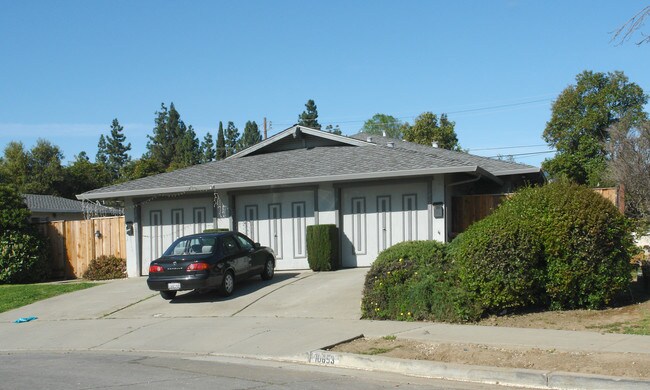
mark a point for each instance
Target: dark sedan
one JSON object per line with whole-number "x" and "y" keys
{"x": 209, "y": 260}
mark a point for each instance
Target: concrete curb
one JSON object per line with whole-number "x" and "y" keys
{"x": 478, "y": 374}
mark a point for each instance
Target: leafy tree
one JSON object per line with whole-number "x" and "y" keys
{"x": 333, "y": 129}
{"x": 83, "y": 175}
{"x": 427, "y": 129}
{"x": 382, "y": 123}
{"x": 14, "y": 213}
{"x": 116, "y": 150}
{"x": 309, "y": 117}
{"x": 629, "y": 148}
{"x": 102, "y": 150}
{"x": 232, "y": 139}
{"x": 143, "y": 167}
{"x": 15, "y": 165}
{"x": 45, "y": 170}
{"x": 580, "y": 121}
{"x": 173, "y": 145}
{"x": 221, "y": 143}
{"x": 207, "y": 149}
{"x": 251, "y": 135}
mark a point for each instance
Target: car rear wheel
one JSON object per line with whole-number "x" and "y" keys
{"x": 269, "y": 269}
{"x": 168, "y": 294}
{"x": 228, "y": 284}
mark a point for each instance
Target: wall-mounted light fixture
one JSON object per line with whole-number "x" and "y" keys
{"x": 98, "y": 234}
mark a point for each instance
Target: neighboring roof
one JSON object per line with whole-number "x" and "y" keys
{"x": 56, "y": 204}
{"x": 353, "y": 159}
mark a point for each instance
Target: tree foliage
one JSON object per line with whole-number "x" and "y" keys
{"x": 251, "y": 135}
{"x": 231, "y": 139}
{"x": 580, "y": 121}
{"x": 428, "y": 129}
{"x": 309, "y": 117}
{"x": 173, "y": 145}
{"x": 116, "y": 150}
{"x": 382, "y": 123}
{"x": 207, "y": 149}
{"x": 221, "y": 143}
{"x": 629, "y": 165}
{"x": 83, "y": 175}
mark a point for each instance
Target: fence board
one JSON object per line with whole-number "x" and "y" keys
{"x": 73, "y": 244}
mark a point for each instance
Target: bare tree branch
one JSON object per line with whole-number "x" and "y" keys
{"x": 625, "y": 32}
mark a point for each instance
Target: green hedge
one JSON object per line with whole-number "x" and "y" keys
{"x": 560, "y": 246}
{"x": 323, "y": 247}
{"x": 219, "y": 230}
{"x": 23, "y": 258}
{"x": 413, "y": 281}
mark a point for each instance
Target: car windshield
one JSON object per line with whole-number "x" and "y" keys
{"x": 191, "y": 246}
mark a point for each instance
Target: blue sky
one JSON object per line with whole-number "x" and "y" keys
{"x": 69, "y": 67}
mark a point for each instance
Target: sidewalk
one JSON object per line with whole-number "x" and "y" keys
{"x": 262, "y": 323}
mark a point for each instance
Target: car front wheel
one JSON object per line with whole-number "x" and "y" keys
{"x": 168, "y": 294}
{"x": 269, "y": 269}
{"x": 228, "y": 284}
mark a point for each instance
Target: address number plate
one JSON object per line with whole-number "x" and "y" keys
{"x": 173, "y": 286}
{"x": 319, "y": 357}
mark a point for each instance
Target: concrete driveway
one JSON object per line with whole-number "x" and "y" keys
{"x": 290, "y": 294}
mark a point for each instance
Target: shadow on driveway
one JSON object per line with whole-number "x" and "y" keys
{"x": 242, "y": 288}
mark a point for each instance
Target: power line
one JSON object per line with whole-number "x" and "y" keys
{"x": 523, "y": 154}
{"x": 508, "y": 147}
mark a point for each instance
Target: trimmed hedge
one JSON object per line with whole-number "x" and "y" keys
{"x": 106, "y": 267}
{"x": 219, "y": 230}
{"x": 323, "y": 247}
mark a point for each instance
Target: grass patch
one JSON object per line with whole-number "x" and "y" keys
{"x": 379, "y": 351}
{"x": 17, "y": 295}
{"x": 389, "y": 337}
{"x": 640, "y": 327}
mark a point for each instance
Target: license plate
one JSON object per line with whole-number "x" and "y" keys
{"x": 173, "y": 286}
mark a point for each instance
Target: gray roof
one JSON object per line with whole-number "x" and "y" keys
{"x": 56, "y": 204}
{"x": 311, "y": 165}
{"x": 494, "y": 166}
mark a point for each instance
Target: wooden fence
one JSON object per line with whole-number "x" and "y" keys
{"x": 470, "y": 208}
{"x": 73, "y": 244}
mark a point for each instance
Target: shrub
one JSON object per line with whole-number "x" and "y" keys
{"x": 413, "y": 281}
{"x": 22, "y": 257}
{"x": 106, "y": 267}
{"x": 323, "y": 247}
{"x": 13, "y": 210}
{"x": 561, "y": 246}
{"x": 500, "y": 263}
{"x": 218, "y": 230}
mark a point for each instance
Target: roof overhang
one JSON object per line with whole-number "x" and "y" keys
{"x": 290, "y": 182}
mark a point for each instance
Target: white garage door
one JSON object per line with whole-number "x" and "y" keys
{"x": 374, "y": 218}
{"x": 279, "y": 221}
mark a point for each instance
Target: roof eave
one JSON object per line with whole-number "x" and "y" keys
{"x": 287, "y": 182}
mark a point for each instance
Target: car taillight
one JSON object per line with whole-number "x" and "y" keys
{"x": 197, "y": 267}
{"x": 155, "y": 268}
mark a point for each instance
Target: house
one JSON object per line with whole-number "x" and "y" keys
{"x": 45, "y": 208}
{"x": 378, "y": 191}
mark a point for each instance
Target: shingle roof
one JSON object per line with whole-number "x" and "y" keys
{"x": 56, "y": 204}
{"x": 311, "y": 165}
{"x": 494, "y": 166}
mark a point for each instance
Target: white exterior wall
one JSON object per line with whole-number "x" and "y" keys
{"x": 362, "y": 236}
{"x": 132, "y": 249}
{"x": 159, "y": 227}
{"x": 278, "y": 220}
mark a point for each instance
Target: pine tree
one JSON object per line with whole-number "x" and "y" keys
{"x": 221, "y": 143}
{"x": 207, "y": 149}
{"x": 251, "y": 135}
{"x": 333, "y": 129}
{"x": 117, "y": 150}
{"x": 309, "y": 117}
{"x": 102, "y": 151}
{"x": 232, "y": 139}
{"x": 173, "y": 145}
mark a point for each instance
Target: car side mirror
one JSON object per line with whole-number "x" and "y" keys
{"x": 257, "y": 245}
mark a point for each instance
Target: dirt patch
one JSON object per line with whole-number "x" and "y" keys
{"x": 629, "y": 314}
{"x": 613, "y": 364}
